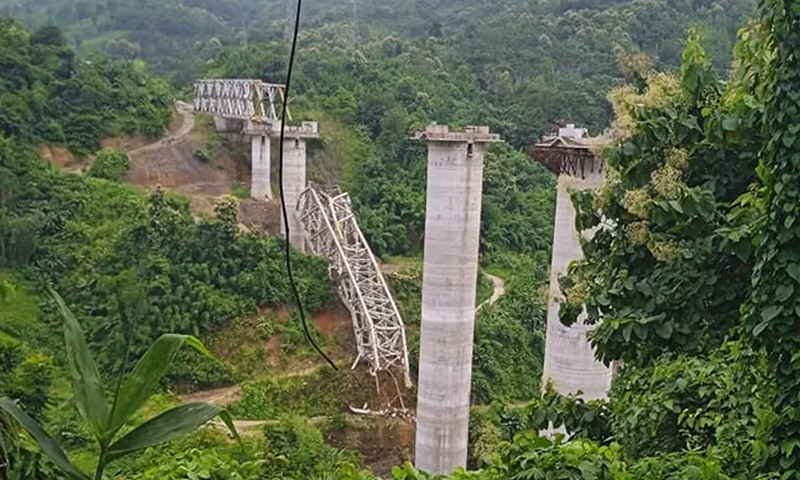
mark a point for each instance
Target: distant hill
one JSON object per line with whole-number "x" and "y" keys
{"x": 536, "y": 63}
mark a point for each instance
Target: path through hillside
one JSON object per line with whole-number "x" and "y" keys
{"x": 499, "y": 289}
{"x": 187, "y": 125}
{"x": 172, "y": 163}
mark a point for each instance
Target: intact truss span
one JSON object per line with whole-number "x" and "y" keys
{"x": 332, "y": 231}
{"x": 238, "y": 98}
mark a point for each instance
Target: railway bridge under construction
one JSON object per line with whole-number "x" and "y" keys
{"x": 322, "y": 222}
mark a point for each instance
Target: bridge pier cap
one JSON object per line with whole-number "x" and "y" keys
{"x": 470, "y": 134}
{"x": 305, "y": 130}
{"x": 450, "y": 269}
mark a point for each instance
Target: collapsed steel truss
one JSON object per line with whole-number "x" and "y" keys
{"x": 240, "y": 99}
{"x": 332, "y": 231}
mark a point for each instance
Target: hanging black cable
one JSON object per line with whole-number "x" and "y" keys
{"x": 287, "y": 249}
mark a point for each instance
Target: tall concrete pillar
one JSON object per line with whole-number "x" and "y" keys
{"x": 260, "y": 182}
{"x": 450, "y": 268}
{"x": 294, "y": 182}
{"x": 294, "y": 175}
{"x": 569, "y": 358}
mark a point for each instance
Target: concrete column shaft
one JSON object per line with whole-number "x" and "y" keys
{"x": 452, "y": 229}
{"x": 294, "y": 182}
{"x": 260, "y": 180}
{"x": 569, "y": 358}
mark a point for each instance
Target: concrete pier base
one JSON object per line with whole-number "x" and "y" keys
{"x": 260, "y": 181}
{"x": 294, "y": 182}
{"x": 450, "y": 267}
{"x": 569, "y": 358}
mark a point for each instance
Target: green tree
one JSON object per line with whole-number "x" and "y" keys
{"x": 111, "y": 165}
{"x": 110, "y": 424}
{"x": 660, "y": 275}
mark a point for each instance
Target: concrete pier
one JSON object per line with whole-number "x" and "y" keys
{"x": 450, "y": 268}
{"x": 569, "y": 358}
{"x": 294, "y": 181}
{"x": 294, "y": 176}
{"x": 260, "y": 181}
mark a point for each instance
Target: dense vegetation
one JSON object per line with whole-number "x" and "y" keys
{"x": 691, "y": 278}
{"x": 695, "y": 204}
{"x": 528, "y": 63}
{"x": 131, "y": 265}
{"x": 47, "y": 94}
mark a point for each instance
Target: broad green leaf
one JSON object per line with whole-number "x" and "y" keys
{"x": 144, "y": 379}
{"x": 168, "y": 426}
{"x": 46, "y": 443}
{"x": 759, "y": 328}
{"x": 787, "y": 447}
{"x": 770, "y": 312}
{"x": 676, "y": 206}
{"x": 626, "y": 332}
{"x": 225, "y": 416}
{"x": 730, "y": 122}
{"x": 783, "y": 292}
{"x": 793, "y": 270}
{"x": 397, "y": 473}
{"x": 86, "y": 383}
{"x": 664, "y": 330}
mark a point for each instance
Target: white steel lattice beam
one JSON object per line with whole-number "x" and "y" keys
{"x": 332, "y": 231}
{"x": 241, "y": 99}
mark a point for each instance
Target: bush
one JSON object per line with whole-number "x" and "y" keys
{"x": 203, "y": 155}
{"x": 111, "y": 165}
{"x": 240, "y": 190}
{"x": 722, "y": 401}
{"x": 204, "y": 454}
{"x": 296, "y": 449}
{"x": 309, "y": 396}
{"x": 294, "y": 440}
{"x": 24, "y": 376}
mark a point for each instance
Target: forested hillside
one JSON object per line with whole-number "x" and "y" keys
{"x": 529, "y": 64}
{"x": 691, "y": 279}
{"x": 133, "y": 265}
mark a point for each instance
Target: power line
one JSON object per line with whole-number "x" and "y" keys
{"x": 287, "y": 249}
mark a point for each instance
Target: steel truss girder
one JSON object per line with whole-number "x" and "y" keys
{"x": 331, "y": 231}
{"x": 238, "y": 98}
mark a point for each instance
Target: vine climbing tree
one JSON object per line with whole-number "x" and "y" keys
{"x": 659, "y": 276}
{"x": 772, "y": 315}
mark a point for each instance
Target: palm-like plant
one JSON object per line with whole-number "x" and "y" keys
{"x": 106, "y": 422}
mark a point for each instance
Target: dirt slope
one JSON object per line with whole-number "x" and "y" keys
{"x": 171, "y": 163}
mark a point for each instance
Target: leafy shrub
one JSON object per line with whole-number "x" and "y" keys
{"x": 112, "y": 425}
{"x": 203, "y": 155}
{"x": 25, "y": 376}
{"x": 293, "y": 440}
{"x": 309, "y": 396}
{"x": 723, "y": 401}
{"x": 192, "y": 371}
{"x": 582, "y": 419}
{"x": 31, "y": 383}
{"x": 296, "y": 449}
{"x": 240, "y": 190}
{"x": 204, "y": 454}
{"x": 111, "y": 165}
